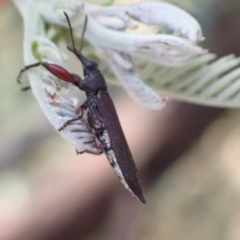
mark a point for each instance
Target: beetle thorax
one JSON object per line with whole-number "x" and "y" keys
{"x": 94, "y": 82}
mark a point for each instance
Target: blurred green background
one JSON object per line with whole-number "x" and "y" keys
{"x": 192, "y": 190}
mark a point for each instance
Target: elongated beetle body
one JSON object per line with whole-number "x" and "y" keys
{"x": 101, "y": 117}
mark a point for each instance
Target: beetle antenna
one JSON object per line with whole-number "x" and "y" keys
{"x": 71, "y": 31}
{"x": 83, "y": 32}
{"x": 70, "y": 28}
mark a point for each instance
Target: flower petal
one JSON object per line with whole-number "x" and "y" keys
{"x": 166, "y": 50}
{"x": 123, "y": 69}
{"x": 163, "y": 49}
{"x": 154, "y": 13}
{"x": 166, "y": 14}
{"x": 111, "y": 15}
{"x": 111, "y": 22}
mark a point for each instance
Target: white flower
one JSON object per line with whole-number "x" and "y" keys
{"x": 106, "y": 31}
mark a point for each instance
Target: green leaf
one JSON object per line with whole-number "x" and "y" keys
{"x": 35, "y": 52}
{"x": 204, "y": 80}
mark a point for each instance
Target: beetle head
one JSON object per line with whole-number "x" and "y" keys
{"x": 89, "y": 67}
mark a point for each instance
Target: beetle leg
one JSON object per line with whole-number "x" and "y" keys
{"x": 24, "y": 89}
{"x": 98, "y": 145}
{"x": 90, "y": 151}
{"x": 56, "y": 70}
{"x": 94, "y": 119}
{"x": 80, "y": 115}
{"x": 27, "y": 68}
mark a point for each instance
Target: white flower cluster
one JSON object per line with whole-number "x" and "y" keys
{"x": 106, "y": 31}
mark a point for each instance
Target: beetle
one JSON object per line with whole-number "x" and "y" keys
{"x": 102, "y": 117}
